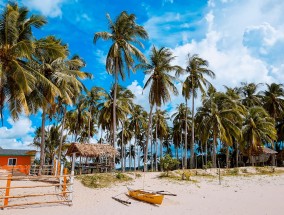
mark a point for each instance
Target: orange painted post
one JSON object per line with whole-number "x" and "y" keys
{"x": 7, "y": 189}
{"x": 64, "y": 181}
{"x": 58, "y": 168}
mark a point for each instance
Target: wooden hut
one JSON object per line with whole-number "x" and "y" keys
{"x": 262, "y": 155}
{"x": 93, "y": 157}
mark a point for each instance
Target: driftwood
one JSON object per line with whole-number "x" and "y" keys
{"x": 165, "y": 193}
{"x": 122, "y": 201}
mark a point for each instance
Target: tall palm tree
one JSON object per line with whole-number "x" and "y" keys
{"x": 197, "y": 68}
{"x": 161, "y": 83}
{"x": 137, "y": 122}
{"x": 218, "y": 116}
{"x": 273, "y": 102}
{"x": 180, "y": 118}
{"x": 161, "y": 131}
{"x": 124, "y": 33}
{"x": 17, "y": 78}
{"x": 258, "y": 128}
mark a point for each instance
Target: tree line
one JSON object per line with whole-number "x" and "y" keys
{"x": 40, "y": 75}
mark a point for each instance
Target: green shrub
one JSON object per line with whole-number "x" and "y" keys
{"x": 168, "y": 163}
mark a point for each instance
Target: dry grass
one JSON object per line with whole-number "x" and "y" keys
{"x": 101, "y": 180}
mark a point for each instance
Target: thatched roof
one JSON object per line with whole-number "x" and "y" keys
{"x": 92, "y": 150}
{"x": 264, "y": 150}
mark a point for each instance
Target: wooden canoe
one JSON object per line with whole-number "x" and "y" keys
{"x": 148, "y": 197}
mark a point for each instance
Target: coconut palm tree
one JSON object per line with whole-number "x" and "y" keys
{"x": 218, "y": 116}
{"x": 273, "y": 102}
{"x": 17, "y": 78}
{"x": 258, "y": 128}
{"x": 161, "y": 83}
{"x": 197, "y": 68}
{"x": 180, "y": 118}
{"x": 124, "y": 35}
{"x": 138, "y": 123}
{"x": 249, "y": 95}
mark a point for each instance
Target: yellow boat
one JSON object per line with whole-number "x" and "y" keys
{"x": 149, "y": 197}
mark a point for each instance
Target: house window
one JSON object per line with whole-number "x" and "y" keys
{"x": 12, "y": 161}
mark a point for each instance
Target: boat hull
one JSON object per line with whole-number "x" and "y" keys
{"x": 148, "y": 197}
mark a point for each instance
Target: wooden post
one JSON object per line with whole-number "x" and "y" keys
{"x": 64, "y": 182}
{"x": 8, "y": 184}
{"x": 58, "y": 168}
{"x": 60, "y": 178}
{"x": 55, "y": 167}
{"x": 72, "y": 177}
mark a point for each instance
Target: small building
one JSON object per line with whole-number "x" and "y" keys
{"x": 93, "y": 157}
{"x": 262, "y": 155}
{"x": 17, "y": 160}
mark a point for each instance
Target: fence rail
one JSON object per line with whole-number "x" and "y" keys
{"x": 63, "y": 190}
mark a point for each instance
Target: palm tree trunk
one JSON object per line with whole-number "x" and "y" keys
{"x": 182, "y": 155}
{"x": 192, "y": 132}
{"x": 61, "y": 135}
{"x": 161, "y": 151}
{"x": 237, "y": 154}
{"x": 152, "y": 161}
{"x": 214, "y": 149}
{"x": 129, "y": 155}
{"x": 114, "y": 104}
{"x": 89, "y": 129}
{"x": 227, "y": 156}
{"x": 206, "y": 153}
{"x": 42, "y": 144}
{"x": 147, "y": 139}
{"x": 122, "y": 151}
{"x": 135, "y": 153}
{"x": 185, "y": 138}
{"x": 156, "y": 148}
{"x": 273, "y": 155}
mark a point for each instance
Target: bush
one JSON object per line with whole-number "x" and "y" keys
{"x": 168, "y": 163}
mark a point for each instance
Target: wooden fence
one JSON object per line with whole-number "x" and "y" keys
{"x": 53, "y": 190}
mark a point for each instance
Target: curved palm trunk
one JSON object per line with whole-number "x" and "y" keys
{"x": 42, "y": 144}
{"x": 152, "y": 160}
{"x": 89, "y": 129}
{"x": 192, "y": 133}
{"x": 61, "y": 135}
{"x": 185, "y": 141}
{"x": 122, "y": 152}
{"x": 114, "y": 105}
{"x": 147, "y": 139}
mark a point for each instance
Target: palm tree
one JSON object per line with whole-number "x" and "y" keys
{"x": 161, "y": 83}
{"x": 249, "y": 94}
{"x": 197, "y": 68}
{"x": 161, "y": 131}
{"x": 124, "y": 33}
{"x": 138, "y": 122}
{"x": 180, "y": 118}
{"x": 17, "y": 78}
{"x": 273, "y": 102}
{"x": 218, "y": 116}
{"x": 258, "y": 128}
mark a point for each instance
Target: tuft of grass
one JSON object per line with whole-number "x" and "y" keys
{"x": 101, "y": 180}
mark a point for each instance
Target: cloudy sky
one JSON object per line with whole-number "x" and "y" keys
{"x": 243, "y": 40}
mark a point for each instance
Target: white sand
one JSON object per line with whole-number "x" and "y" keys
{"x": 236, "y": 195}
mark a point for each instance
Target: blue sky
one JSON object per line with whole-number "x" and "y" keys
{"x": 243, "y": 40}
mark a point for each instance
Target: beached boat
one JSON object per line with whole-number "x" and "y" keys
{"x": 150, "y": 197}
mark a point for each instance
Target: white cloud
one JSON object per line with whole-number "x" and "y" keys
{"x": 50, "y": 8}
{"x": 19, "y": 135}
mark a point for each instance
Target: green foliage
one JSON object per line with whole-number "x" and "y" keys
{"x": 168, "y": 163}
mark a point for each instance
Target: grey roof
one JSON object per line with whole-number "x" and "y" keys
{"x": 15, "y": 152}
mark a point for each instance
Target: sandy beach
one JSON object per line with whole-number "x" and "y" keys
{"x": 260, "y": 194}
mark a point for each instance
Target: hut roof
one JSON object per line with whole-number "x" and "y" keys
{"x": 92, "y": 150}
{"x": 263, "y": 150}
{"x": 17, "y": 152}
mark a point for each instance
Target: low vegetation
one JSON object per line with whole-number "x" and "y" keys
{"x": 101, "y": 180}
